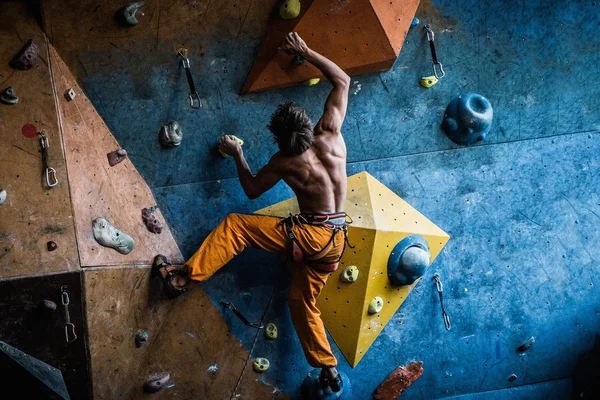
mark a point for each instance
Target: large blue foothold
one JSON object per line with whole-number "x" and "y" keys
{"x": 408, "y": 260}
{"x": 468, "y": 118}
{"x": 311, "y": 389}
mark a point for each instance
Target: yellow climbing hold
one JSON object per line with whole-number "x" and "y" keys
{"x": 260, "y": 364}
{"x": 428, "y": 81}
{"x": 240, "y": 141}
{"x": 290, "y": 9}
{"x": 271, "y": 331}
{"x": 312, "y": 82}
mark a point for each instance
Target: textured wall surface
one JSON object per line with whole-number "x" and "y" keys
{"x": 522, "y": 208}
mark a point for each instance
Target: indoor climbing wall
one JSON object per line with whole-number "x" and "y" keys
{"x": 38, "y": 251}
{"x": 520, "y": 207}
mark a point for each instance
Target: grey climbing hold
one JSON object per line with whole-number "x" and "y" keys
{"x": 349, "y": 274}
{"x": 115, "y": 157}
{"x": 260, "y": 364}
{"x": 375, "y": 305}
{"x": 408, "y": 260}
{"x": 271, "y": 331}
{"x": 47, "y": 305}
{"x": 140, "y": 338}
{"x": 51, "y": 245}
{"x": 526, "y": 345}
{"x": 127, "y": 14}
{"x": 2, "y": 196}
{"x": 151, "y": 221}
{"x": 109, "y": 236}
{"x": 468, "y": 118}
{"x": 156, "y": 382}
{"x": 8, "y": 96}
{"x": 70, "y": 94}
{"x": 170, "y": 135}
{"x": 512, "y": 378}
{"x": 27, "y": 57}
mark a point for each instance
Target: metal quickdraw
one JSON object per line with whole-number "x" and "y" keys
{"x": 429, "y": 81}
{"x": 70, "y": 334}
{"x": 240, "y": 316}
{"x": 440, "y": 289}
{"x": 50, "y": 173}
{"x": 193, "y": 96}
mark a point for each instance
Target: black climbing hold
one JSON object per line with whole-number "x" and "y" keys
{"x": 27, "y": 57}
{"x": 8, "y": 96}
{"x": 115, "y": 157}
{"x": 170, "y": 135}
{"x": 156, "y": 382}
{"x": 140, "y": 338}
{"x": 408, "y": 260}
{"x": 127, "y": 14}
{"x": 298, "y": 60}
{"x": 51, "y": 245}
{"x": 526, "y": 345}
{"x": 512, "y": 378}
{"x": 468, "y": 118}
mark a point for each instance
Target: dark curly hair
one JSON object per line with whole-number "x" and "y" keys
{"x": 292, "y": 128}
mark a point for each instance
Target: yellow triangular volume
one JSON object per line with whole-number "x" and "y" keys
{"x": 381, "y": 219}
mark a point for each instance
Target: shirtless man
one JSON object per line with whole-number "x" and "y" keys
{"x": 312, "y": 161}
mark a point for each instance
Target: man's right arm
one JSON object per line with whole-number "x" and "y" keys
{"x": 337, "y": 102}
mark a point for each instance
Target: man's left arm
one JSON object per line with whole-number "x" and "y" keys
{"x": 253, "y": 185}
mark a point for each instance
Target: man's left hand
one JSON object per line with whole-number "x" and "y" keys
{"x": 230, "y": 146}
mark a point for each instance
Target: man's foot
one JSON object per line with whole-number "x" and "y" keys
{"x": 174, "y": 279}
{"x": 331, "y": 378}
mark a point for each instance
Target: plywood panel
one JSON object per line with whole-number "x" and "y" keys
{"x": 32, "y": 214}
{"x": 187, "y": 338}
{"x": 42, "y": 335}
{"x": 116, "y": 193}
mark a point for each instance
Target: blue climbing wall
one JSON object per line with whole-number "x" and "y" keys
{"x": 522, "y": 207}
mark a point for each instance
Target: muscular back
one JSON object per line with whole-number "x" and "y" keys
{"x": 317, "y": 176}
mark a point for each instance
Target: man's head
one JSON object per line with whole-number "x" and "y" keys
{"x": 292, "y": 128}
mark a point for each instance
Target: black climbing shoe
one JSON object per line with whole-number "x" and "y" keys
{"x": 334, "y": 384}
{"x": 171, "y": 291}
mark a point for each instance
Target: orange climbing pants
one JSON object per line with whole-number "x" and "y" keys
{"x": 237, "y": 232}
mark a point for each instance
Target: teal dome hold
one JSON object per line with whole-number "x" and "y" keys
{"x": 468, "y": 118}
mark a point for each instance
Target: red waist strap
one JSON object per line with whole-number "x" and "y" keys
{"x": 324, "y": 267}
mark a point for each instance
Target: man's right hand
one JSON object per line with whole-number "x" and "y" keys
{"x": 293, "y": 44}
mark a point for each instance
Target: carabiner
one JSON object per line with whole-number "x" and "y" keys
{"x": 193, "y": 96}
{"x": 51, "y": 179}
{"x": 70, "y": 327}
{"x": 195, "y": 100}
{"x": 438, "y": 68}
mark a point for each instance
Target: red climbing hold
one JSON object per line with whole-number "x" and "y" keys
{"x": 29, "y": 130}
{"x": 398, "y": 381}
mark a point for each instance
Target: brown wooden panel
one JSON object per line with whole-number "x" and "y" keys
{"x": 32, "y": 214}
{"x": 349, "y": 33}
{"x": 116, "y": 193}
{"x": 187, "y": 336}
{"x": 42, "y": 335}
{"x": 395, "y": 16}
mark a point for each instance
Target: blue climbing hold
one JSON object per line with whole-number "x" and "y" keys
{"x": 408, "y": 260}
{"x": 414, "y": 22}
{"x": 468, "y": 118}
{"x": 311, "y": 389}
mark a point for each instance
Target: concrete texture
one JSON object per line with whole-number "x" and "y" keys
{"x": 522, "y": 207}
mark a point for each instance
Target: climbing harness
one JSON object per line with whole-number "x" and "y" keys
{"x": 440, "y": 289}
{"x": 241, "y": 316}
{"x": 194, "y": 97}
{"x": 335, "y": 222}
{"x": 51, "y": 179}
{"x": 70, "y": 335}
{"x": 429, "y": 81}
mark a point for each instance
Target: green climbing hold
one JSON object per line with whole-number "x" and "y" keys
{"x": 271, "y": 331}
{"x": 261, "y": 364}
{"x": 375, "y": 305}
{"x": 290, "y": 9}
